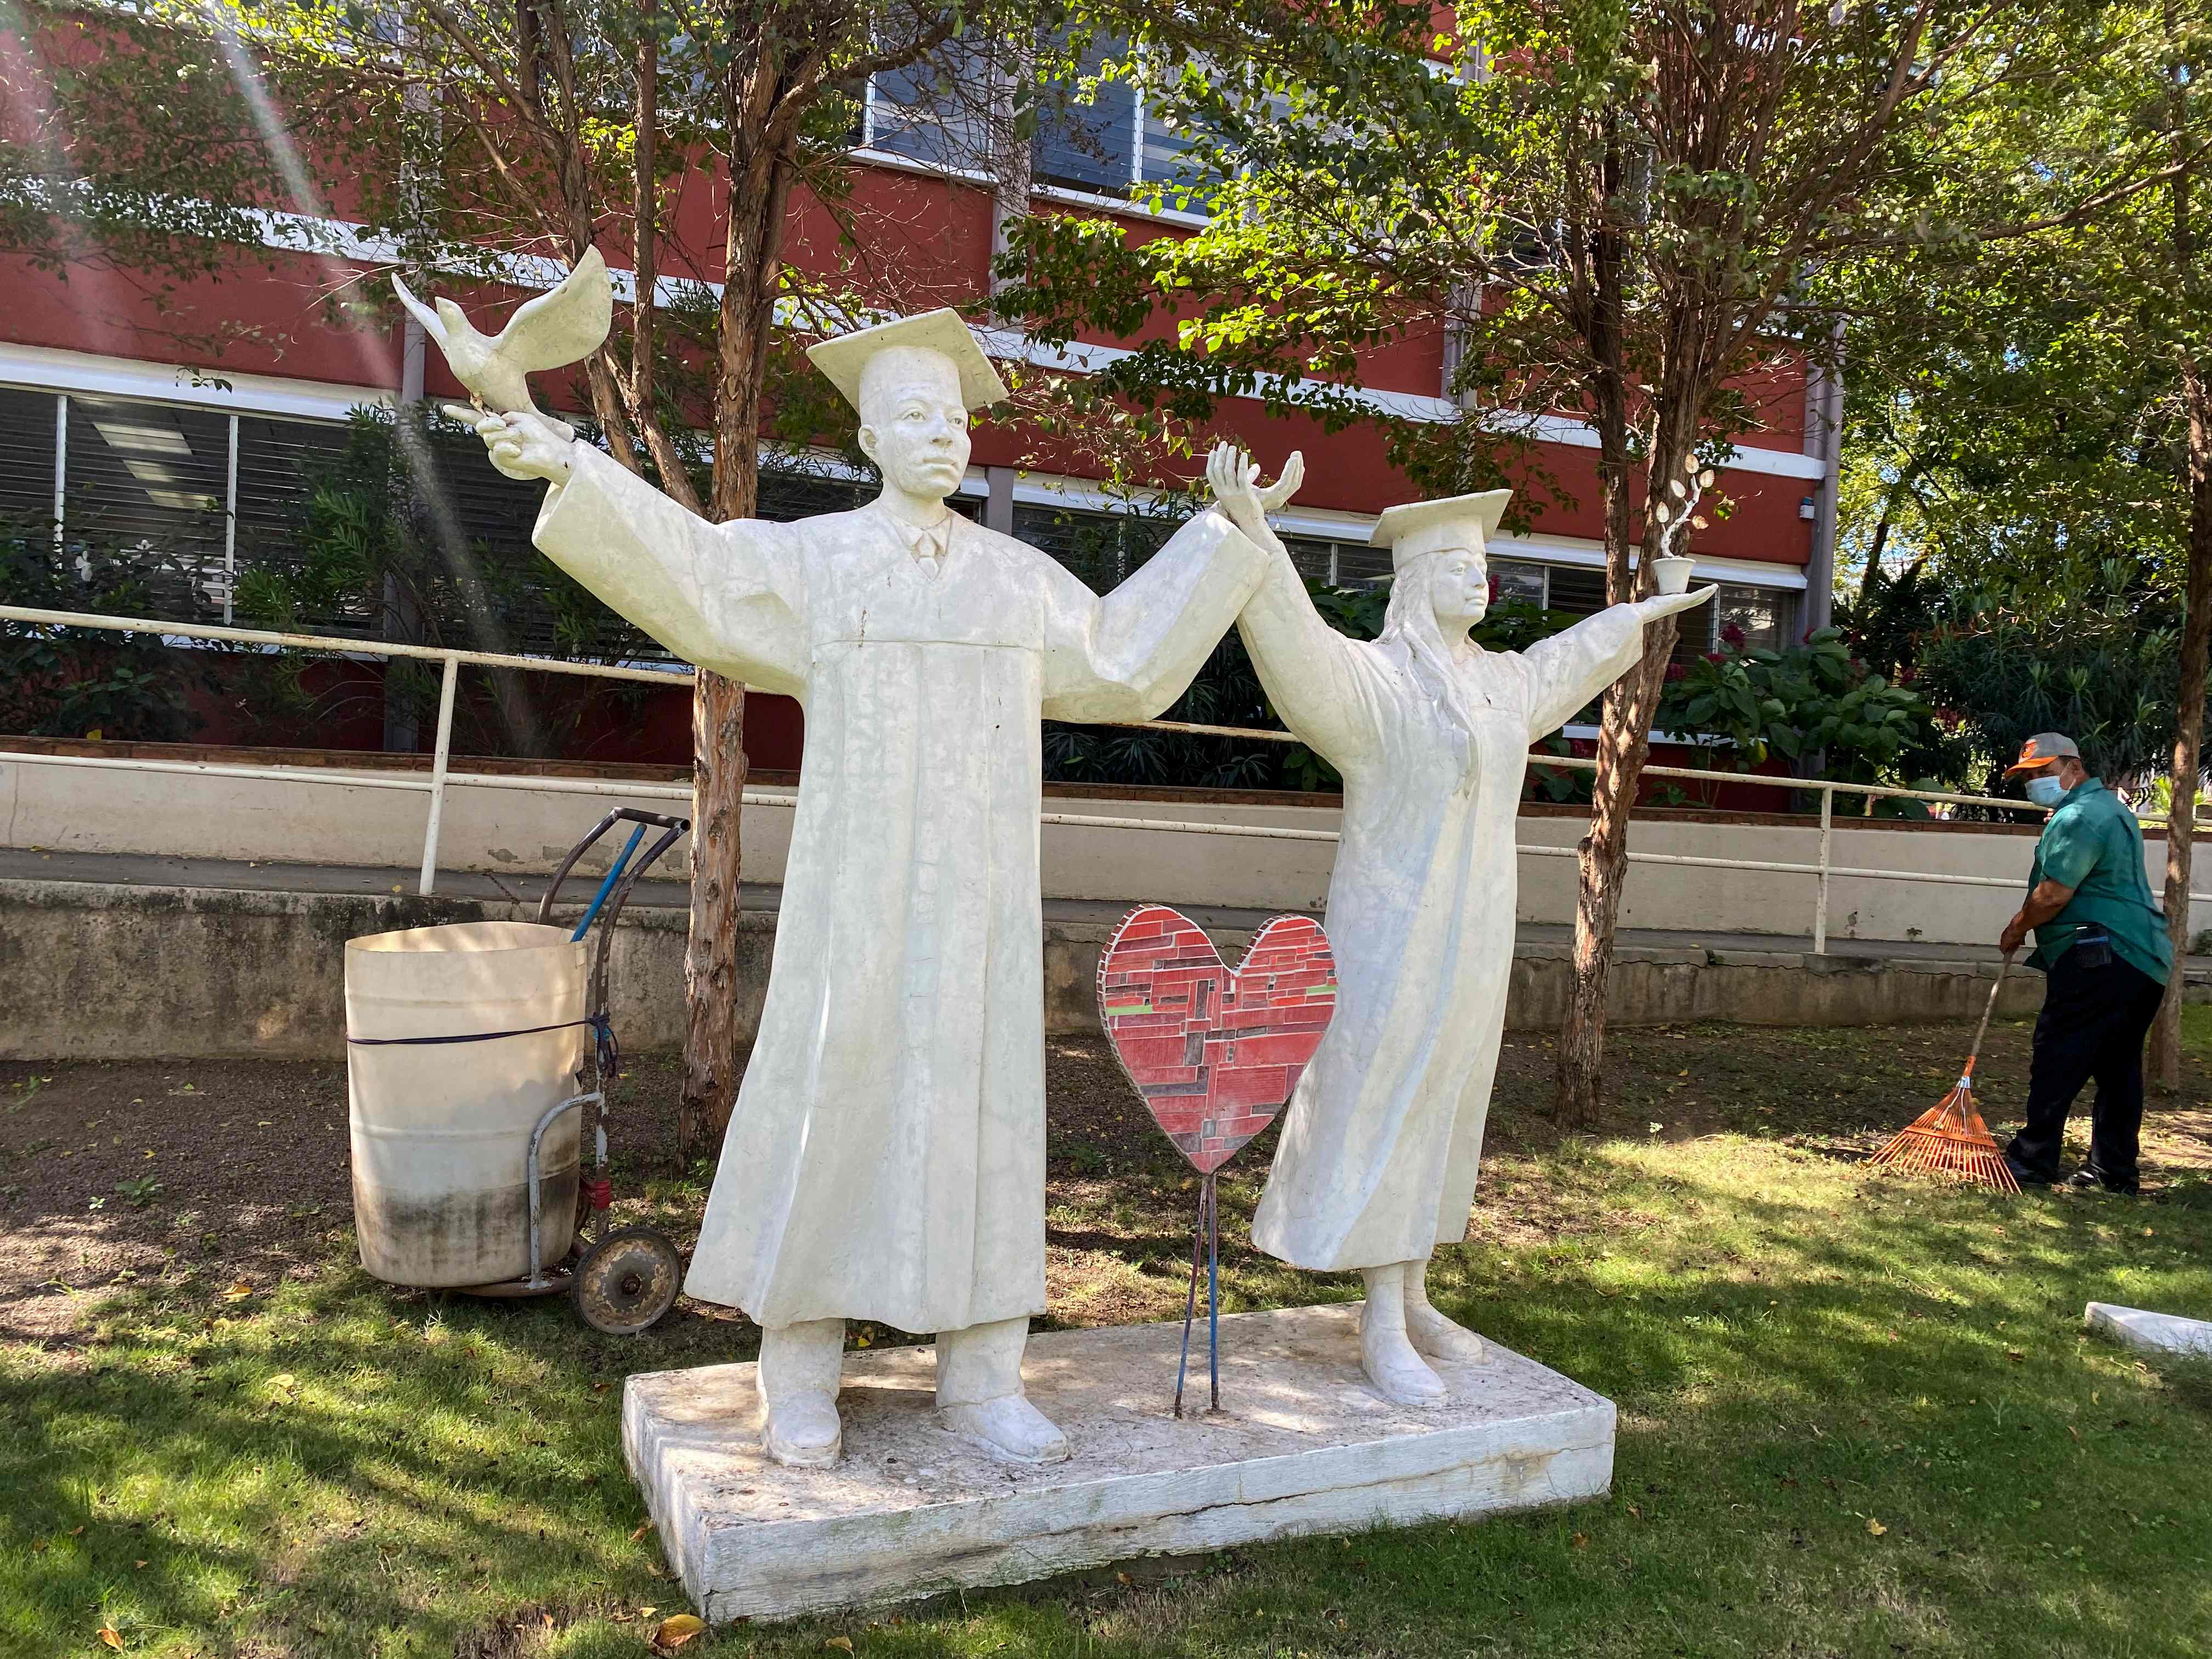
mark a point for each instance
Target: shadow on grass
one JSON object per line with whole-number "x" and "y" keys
{"x": 1801, "y": 1354}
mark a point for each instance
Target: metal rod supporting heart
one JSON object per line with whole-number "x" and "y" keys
{"x": 1205, "y": 1246}
{"x": 1215, "y": 1054}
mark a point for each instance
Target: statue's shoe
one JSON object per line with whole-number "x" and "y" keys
{"x": 1439, "y": 1338}
{"x": 803, "y": 1431}
{"x": 1399, "y": 1373}
{"x": 1008, "y": 1426}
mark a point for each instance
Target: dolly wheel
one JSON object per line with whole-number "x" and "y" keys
{"x": 627, "y": 1280}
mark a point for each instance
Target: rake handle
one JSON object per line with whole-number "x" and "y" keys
{"x": 1988, "y": 1008}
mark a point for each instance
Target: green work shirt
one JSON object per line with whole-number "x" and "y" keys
{"x": 2094, "y": 845}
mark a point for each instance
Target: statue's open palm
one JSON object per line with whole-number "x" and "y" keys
{"x": 1234, "y": 480}
{"x": 1665, "y": 604}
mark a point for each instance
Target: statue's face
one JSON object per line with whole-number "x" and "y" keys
{"x": 914, "y": 424}
{"x": 1459, "y": 588}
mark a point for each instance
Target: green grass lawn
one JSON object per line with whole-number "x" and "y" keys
{"x": 1857, "y": 1417}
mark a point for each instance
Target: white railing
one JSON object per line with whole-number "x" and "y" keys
{"x": 440, "y": 777}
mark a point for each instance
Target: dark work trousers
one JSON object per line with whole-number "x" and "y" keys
{"x": 2093, "y": 1025}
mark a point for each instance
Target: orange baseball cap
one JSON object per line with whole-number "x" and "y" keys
{"x": 2041, "y": 749}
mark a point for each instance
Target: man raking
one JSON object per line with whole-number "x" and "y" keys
{"x": 2100, "y": 940}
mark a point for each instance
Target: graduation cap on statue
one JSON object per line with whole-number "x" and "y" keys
{"x": 1422, "y": 528}
{"x": 845, "y": 359}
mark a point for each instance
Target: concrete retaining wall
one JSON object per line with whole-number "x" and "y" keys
{"x": 116, "y": 972}
{"x": 527, "y": 830}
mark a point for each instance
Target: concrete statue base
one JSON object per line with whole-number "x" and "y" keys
{"x": 1302, "y": 1445}
{"x": 2139, "y": 1328}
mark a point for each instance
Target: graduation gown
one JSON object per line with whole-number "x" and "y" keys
{"x": 885, "y": 1159}
{"x": 1383, "y": 1132}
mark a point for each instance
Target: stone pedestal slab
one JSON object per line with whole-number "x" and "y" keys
{"x": 2142, "y": 1329}
{"x": 1302, "y": 1444}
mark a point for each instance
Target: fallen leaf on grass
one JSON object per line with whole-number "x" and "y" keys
{"x": 643, "y": 1528}
{"x": 111, "y": 1636}
{"x": 1875, "y": 1527}
{"x": 2014, "y": 1355}
{"x": 238, "y": 1292}
{"x": 678, "y": 1629}
{"x": 1580, "y": 1540}
{"x": 845, "y": 1643}
{"x": 140, "y": 1566}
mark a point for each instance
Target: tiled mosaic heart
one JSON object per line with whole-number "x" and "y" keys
{"x": 1215, "y": 1054}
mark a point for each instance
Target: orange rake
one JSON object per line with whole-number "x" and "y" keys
{"x": 1949, "y": 1139}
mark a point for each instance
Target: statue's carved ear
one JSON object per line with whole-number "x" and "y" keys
{"x": 867, "y": 441}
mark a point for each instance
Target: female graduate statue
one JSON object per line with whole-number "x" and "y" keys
{"x": 1430, "y": 732}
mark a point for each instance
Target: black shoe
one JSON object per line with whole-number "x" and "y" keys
{"x": 2086, "y": 1179}
{"x": 2026, "y": 1177}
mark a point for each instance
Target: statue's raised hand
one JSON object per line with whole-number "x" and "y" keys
{"x": 1233, "y": 478}
{"x": 524, "y": 444}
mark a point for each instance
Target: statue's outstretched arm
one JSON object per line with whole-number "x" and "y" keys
{"x": 1572, "y": 666}
{"x": 729, "y": 597}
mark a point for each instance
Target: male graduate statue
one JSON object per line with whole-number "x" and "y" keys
{"x": 886, "y": 1158}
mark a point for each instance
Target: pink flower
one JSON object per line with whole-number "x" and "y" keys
{"x": 1714, "y": 656}
{"x": 1731, "y": 635}
{"x": 1676, "y": 671}
{"x": 1493, "y": 590}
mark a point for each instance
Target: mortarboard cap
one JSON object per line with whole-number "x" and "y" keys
{"x": 1422, "y": 528}
{"x": 845, "y": 358}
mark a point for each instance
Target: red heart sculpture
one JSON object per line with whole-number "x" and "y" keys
{"x": 1215, "y": 1054}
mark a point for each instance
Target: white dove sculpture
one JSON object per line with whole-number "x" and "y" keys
{"x": 557, "y": 328}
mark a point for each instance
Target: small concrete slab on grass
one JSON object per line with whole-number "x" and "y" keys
{"x": 2140, "y": 1327}
{"x": 1302, "y": 1444}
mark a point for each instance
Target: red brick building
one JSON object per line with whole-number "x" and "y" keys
{"x": 111, "y": 428}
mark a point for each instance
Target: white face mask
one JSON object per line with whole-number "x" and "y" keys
{"x": 2045, "y": 792}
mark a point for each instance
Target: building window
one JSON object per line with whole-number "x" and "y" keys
{"x": 1760, "y": 616}
{"x": 1574, "y": 589}
{"x": 29, "y": 441}
{"x": 1104, "y": 549}
{"x": 1088, "y": 132}
{"x": 1516, "y": 583}
{"x": 1094, "y": 134}
{"x": 936, "y": 111}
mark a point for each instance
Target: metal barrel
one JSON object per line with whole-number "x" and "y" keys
{"x": 442, "y": 1128}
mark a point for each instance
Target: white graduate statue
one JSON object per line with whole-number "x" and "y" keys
{"x": 886, "y": 1157}
{"x": 1377, "y": 1166}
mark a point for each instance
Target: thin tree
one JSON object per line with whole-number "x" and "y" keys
{"x": 1609, "y": 210}
{"x": 680, "y": 136}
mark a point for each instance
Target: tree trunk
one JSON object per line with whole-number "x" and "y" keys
{"x": 760, "y": 187}
{"x": 1600, "y": 864}
{"x": 710, "y": 957}
{"x": 2197, "y": 615}
{"x": 2188, "y": 723}
{"x": 1623, "y": 744}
